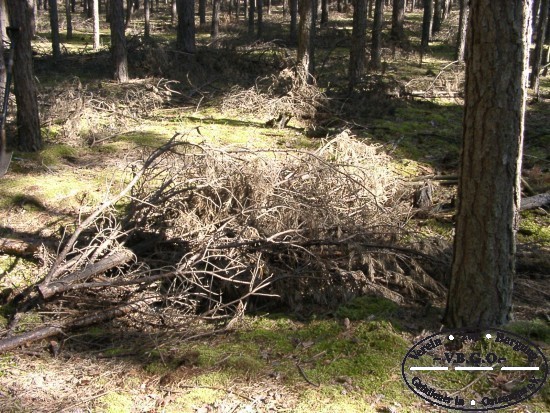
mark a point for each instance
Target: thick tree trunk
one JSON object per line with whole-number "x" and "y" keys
{"x": 398, "y": 19}
{"x": 3, "y": 37}
{"x": 21, "y": 13}
{"x": 462, "y": 28}
{"x": 426, "y": 24}
{"x": 376, "y": 46}
{"x": 119, "y": 54}
{"x": 251, "y": 11}
{"x": 215, "y": 19}
{"x": 68, "y": 16}
{"x": 534, "y": 81}
{"x": 54, "y": 26}
{"x": 147, "y": 18}
{"x": 480, "y": 293}
{"x": 293, "y": 5}
{"x": 202, "y": 13}
{"x": 436, "y": 22}
{"x": 95, "y": 13}
{"x": 260, "y": 7}
{"x": 186, "y": 26}
{"x": 358, "y": 48}
{"x": 324, "y": 12}
{"x": 305, "y": 48}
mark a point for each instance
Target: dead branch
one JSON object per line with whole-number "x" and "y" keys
{"x": 61, "y": 327}
{"x": 536, "y": 201}
{"x": 18, "y": 248}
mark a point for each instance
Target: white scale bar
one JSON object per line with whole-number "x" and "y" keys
{"x": 429, "y": 368}
{"x": 473, "y": 368}
{"x": 520, "y": 368}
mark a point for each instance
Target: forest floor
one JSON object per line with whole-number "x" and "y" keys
{"x": 305, "y": 360}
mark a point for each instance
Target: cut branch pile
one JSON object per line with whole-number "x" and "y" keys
{"x": 209, "y": 231}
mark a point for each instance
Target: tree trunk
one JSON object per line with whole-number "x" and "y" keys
{"x": 186, "y": 26}
{"x": 398, "y": 18}
{"x": 129, "y": 12}
{"x": 293, "y": 5}
{"x": 324, "y": 12}
{"x": 202, "y": 13}
{"x": 215, "y": 19}
{"x": 95, "y": 7}
{"x": 376, "y": 46}
{"x": 426, "y": 25}
{"x": 436, "y": 22}
{"x": 68, "y": 17}
{"x": 118, "y": 42}
{"x": 147, "y": 17}
{"x": 535, "y": 7}
{"x": 268, "y": 6}
{"x": 251, "y": 11}
{"x": 305, "y": 46}
{"x": 534, "y": 81}
{"x": 462, "y": 26}
{"x": 358, "y": 48}
{"x": 54, "y": 26}
{"x": 174, "y": 12}
{"x": 260, "y": 7}
{"x": 3, "y": 37}
{"x": 21, "y": 13}
{"x": 483, "y": 268}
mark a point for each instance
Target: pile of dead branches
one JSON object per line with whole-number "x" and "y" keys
{"x": 208, "y": 231}
{"x": 284, "y": 93}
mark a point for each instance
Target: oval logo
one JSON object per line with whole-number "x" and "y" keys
{"x": 475, "y": 370}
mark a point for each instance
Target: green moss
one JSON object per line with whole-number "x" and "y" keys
{"x": 537, "y": 330}
{"x": 364, "y": 307}
{"x": 115, "y": 403}
{"x": 534, "y": 228}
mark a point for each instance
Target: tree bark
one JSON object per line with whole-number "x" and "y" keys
{"x": 186, "y": 26}
{"x": 119, "y": 54}
{"x": 462, "y": 28}
{"x": 436, "y": 22}
{"x": 535, "y": 7}
{"x": 483, "y": 267}
{"x": 251, "y": 11}
{"x": 147, "y": 18}
{"x": 534, "y": 81}
{"x": 398, "y": 19}
{"x": 376, "y": 46}
{"x": 324, "y": 12}
{"x": 202, "y": 12}
{"x": 426, "y": 25}
{"x": 215, "y": 19}
{"x": 293, "y": 5}
{"x": 95, "y": 13}
{"x": 304, "y": 28}
{"x": 68, "y": 17}
{"x": 260, "y": 7}
{"x": 54, "y": 26}
{"x": 358, "y": 48}
{"x": 28, "y": 123}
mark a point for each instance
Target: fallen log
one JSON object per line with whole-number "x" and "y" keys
{"x": 111, "y": 261}
{"x": 11, "y": 343}
{"x": 17, "y": 247}
{"x": 536, "y": 201}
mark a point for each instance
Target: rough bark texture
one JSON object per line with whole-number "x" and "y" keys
{"x": 69, "y": 19}
{"x": 260, "y": 7}
{"x": 119, "y": 54}
{"x": 186, "y": 26}
{"x": 427, "y": 24}
{"x": 376, "y": 46}
{"x": 293, "y": 5}
{"x": 28, "y": 122}
{"x": 534, "y": 81}
{"x": 462, "y": 29}
{"x": 215, "y": 19}
{"x": 398, "y": 19}
{"x": 54, "y": 26}
{"x": 95, "y": 8}
{"x": 358, "y": 48}
{"x": 304, "y": 28}
{"x": 147, "y": 12}
{"x": 483, "y": 266}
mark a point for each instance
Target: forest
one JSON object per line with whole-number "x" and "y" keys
{"x": 274, "y": 205}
